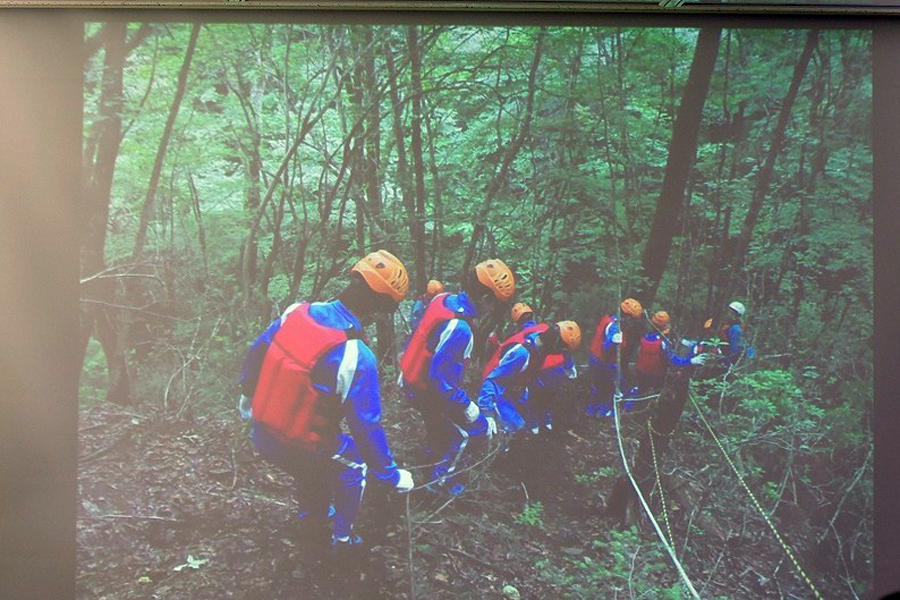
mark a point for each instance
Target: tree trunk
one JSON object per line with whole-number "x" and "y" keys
{"x": 499, "y": 179}
{"x": 682, "y": 153}
{"x": 672, "y": 401}
{"x": 309, "y": 121}
{"x": 119, "y": 390}
{"x": 201, "y": 232}
{"x": 415, "y": 60}
{"x": 435, "y": 268}
{"x": 372, "y": 167}
{"x": 406, "y": 190}
{"x": 95, "y": 216}
{"x": 147, "y": 210}
{"x": 764, "y": 179}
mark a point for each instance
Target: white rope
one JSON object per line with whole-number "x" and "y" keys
{"x": 659, "y": 533}
{"x": 637, "y": 488}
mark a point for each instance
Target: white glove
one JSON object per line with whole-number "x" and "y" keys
{"x": 472, "y": 412}
{"x": 617, "y": 337}
{"x": 491, "y": 427}
{"x": 700, "y": 359}
{"x": 405, "y": 483}
{"x": 244, "y": 407}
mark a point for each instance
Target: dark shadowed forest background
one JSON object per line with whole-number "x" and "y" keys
{"x": 232, "y": 168}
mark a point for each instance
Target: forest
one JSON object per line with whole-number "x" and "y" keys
{"x": 231, "y": 169}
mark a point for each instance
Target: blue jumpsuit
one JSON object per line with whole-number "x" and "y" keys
{"x": 735, "y": 338}
{"x": 349, "y": 374}
{"x": 604, "y": 375}
{"x": 449, "y": 436}
{"x": 518, "y": 402}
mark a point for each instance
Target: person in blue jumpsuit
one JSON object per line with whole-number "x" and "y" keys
{"x": 608, "y": 371}
{"x": 432, "y": 289}
{"x": 516, "y": 394}
{"x": 345, "y": 381}
{"x": 522, "y": 317}
{"x": 432, "y": 369}
{"x": 519, "y": 393}
{"x": 650, "y": 369}
{"x": 732, "y": 332}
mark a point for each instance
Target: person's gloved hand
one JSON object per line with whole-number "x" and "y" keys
{"x": 472, "y": 412}
{"x": 244, "y": 406}
{"x": 491, "y": 427}
{"x": 617, "y": 337}
{"x": 405, "y": 483}
{"x": 700, "y": 359}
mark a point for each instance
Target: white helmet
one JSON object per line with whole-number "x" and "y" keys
{"x": 737, "y": 307}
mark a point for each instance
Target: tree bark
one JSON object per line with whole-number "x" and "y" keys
{"x": 497, "y": 182}
{"x": 149, "y": 201}
{"x": 672, "y": 401}
{"x": 415, "y": 61}
{"x": 406, "y": 190}
{"x": 682, "y": 153}
{"x": 764, "y": 179}
{"x": 119, "y": 388}
{"x": 95, "y": 216}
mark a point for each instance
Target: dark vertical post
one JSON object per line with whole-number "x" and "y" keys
{"x": 40, "y": 191}
{"x": 886, "y": 197}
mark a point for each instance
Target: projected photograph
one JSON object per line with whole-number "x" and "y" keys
{"x": 433, "y": 310}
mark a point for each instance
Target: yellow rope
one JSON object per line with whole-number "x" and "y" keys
{"x": 662, "y": 494}
{"x": 756, "y": 503}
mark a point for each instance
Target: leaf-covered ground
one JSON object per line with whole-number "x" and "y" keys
{"x": 181, "y": 507}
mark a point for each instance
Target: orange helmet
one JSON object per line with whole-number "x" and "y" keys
{"x": 496, "y": 276}
{"x": 570, "y": 334}
{"x": 631, "y": 308}
{"x": 660, "y": 319}
{"x": 519, "y": 309}
{"x": 434, "y": 288}
{"x": 384, "y": 273}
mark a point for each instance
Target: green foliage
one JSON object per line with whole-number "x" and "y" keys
{"x": 623, "y": 563}
{"x": 93, "y": 379}
{"x": 597, "y": 475}
{"x": 531, "y": 515}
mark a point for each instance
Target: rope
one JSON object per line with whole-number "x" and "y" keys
{"x": 454, "y": 473}
{"x": 659, "y": 533}
{"x": 662, "y": 495}
{"x": 756, "y": 503}
{"x": 616, "y": 417}
{"x": 641, "y": 399}
{"x": 409, "y": 548}
{"x": 743, "y": 483}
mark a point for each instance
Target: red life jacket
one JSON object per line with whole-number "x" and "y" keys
{"x": 599, "y": 336}
{"x": 416, "y": 358}
{"x": 552, "y": 361}
{"x": 651, "y": 360}
{"x": 285, "y": 400}
{"x": 516, "y": 338}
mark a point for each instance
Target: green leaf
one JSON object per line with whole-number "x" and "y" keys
{"x": 192, "y": 563}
